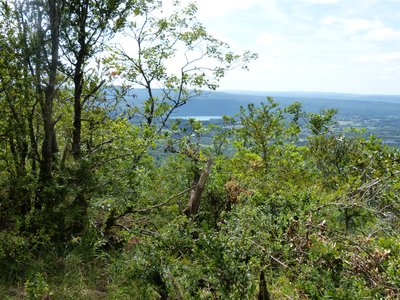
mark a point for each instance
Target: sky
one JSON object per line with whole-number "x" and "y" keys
{"x": 348, "y": 46}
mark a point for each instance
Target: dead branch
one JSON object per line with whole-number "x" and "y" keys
{"x": 197, "y": 190}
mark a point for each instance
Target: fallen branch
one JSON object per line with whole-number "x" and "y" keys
{"x": 112, "y": 217}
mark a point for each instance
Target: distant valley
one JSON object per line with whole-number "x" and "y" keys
{"x": 379, "y": 114}
{"x": 228, "y": 103}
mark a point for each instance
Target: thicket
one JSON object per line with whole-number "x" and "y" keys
{"x": 86, "y": 212}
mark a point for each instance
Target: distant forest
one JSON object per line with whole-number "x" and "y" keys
{"x": 378, "y": 114}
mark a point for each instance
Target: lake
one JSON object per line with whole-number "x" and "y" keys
{"x": 198, "y": 118}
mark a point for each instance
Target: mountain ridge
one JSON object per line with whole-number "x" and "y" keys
{"x": 218, "y": 103}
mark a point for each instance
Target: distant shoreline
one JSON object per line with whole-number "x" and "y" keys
{"x": 198, "y": 118}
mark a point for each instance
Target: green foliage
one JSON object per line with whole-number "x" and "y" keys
{"x": 174, "y": 53}
{"x": 321, "y": 123}
{"x": 36, "y": 287}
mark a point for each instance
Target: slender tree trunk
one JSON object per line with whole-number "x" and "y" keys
{"x": 80, "y": 56}
{"x": 263, "y": 293}
{"x": 76, "y": 138}
{"x": 80, "y": 203}
{"x": 49, "y": 146}
{"x": 33, "y": 141}
{"x": 161, "y": 286}
{"x": 196, "y": 192}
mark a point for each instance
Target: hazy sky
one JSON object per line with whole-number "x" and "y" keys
{"x": 311, "y": 45}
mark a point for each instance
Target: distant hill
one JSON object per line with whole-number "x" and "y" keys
{"x": 323, "y": 95}
{"x": 380, "y": 115}
{"x": 219, "y": 103}
{"x": 228, "y": 103}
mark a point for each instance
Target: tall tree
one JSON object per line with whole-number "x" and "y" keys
{"x": 53, "y": 11}
{"x": 16, "y": 102}
{"x": 172, "y": 57}
{"x": 87, "y": 25}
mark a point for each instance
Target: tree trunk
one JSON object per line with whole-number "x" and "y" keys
{"x": 197, "y": 190}
{"x": 76, "y": 139}
{"x": 161, "y": 286}
{"x": 80, "y": 57}
{"x": 263, "y": 293}
{"x": 49, "y": 146}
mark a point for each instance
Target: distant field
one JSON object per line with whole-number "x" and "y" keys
{"x": 380, "y": 115}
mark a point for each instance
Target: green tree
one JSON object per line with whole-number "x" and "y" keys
{"x": 172, "y": 57}
{"x": 264, "y": 127}
{"x": 46, "y": 49}
{"x": 18, "y": 140}
{"x": 86, "y": 27}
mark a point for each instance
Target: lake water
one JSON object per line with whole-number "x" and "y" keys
{"x": 198, "y": 118}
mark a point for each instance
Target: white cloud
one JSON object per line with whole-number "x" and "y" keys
{"x": 220, "y": 8}
{"x": 357, "y": 25}
{"x": 267, "y": 39}
{"x": 382, "y": 34}
{"x": 322, "y": 1}
{"x": 352, "y": 25}
{"x": 371, "y": 30}
{"x": 352, "y": 50}
{"x": 379, "y": 58}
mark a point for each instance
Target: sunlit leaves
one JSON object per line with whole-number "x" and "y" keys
{"x": 322, "y": 123}
{"x": 174, "y": 53}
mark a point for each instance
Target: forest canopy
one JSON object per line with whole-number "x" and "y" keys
{"x": 104, "y": 196}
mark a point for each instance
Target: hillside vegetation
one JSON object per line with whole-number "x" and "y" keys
{"x": 89, "y": 211}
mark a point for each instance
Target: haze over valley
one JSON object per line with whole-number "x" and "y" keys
{"x": 378, "y": 114}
